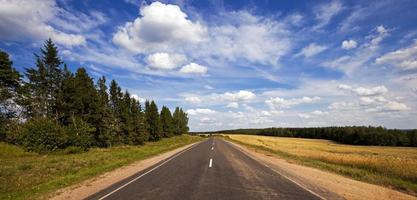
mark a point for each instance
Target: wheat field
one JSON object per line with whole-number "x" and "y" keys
{"x": 389, "y": 166}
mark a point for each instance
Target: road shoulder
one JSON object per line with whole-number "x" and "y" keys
{"x": 326, "y": 184}
{"x": 96, "y": 184}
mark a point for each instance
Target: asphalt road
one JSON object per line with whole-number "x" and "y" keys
{"x": 212, "y": 169}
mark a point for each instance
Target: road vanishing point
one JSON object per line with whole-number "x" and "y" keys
{"x": 209, "y": 170}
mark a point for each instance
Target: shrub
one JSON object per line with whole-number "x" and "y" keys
{"x": 73, "y": 150}
{"x": 80, "y": 134}
{"x": 43, "y": 135}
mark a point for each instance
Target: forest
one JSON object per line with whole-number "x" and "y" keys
{"x": 50, "y": 108}
{"x": 355, "y": 135}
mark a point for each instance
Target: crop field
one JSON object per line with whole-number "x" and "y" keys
{"x": 394, "y": 167}
{"x": 28, "y": 175}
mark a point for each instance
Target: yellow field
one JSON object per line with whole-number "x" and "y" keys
{"x": 389, "y": 166}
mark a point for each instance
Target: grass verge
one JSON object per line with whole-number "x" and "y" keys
{"x": 393, "y": 167}
{"x": 27, "y": 175}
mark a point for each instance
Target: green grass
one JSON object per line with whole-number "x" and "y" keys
{"x": 27, "y": 175}
{"x": 393, "y": 167}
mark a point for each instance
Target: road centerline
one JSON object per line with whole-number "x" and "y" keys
{"x": 211, "y": 162}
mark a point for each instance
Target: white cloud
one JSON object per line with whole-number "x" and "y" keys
{"x": 325, "y": 12}
{"x": 232, "y": 105}
{"x": 319, "y": 112}
{"x": 241, "y": 36}
{"x": 278, "y": 102}
{"x": 363, "y": 91}
{"x": 404, "y": 59}
{"x": 140, "y": 99}
{"x": 193, "y": 68}
{"x": 193, "y": 99}
{"x": 303, "y": 115}
{"x": 349, "y": 44}
{"x": 165, "y": 61}
{"x": 311, "y": 50}
{"x": 208, "y": 87}
{"x": 241, "y": 95}
{"x": 365, "y": 53}
{"x": 160, "y": 27}
{"x": 22, "y": 19}
{"x": 203, "y": 111}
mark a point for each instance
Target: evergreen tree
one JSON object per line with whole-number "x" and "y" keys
{"x": 9, "y": 88}
{"x": 115, "y": 102}
{"x": 45, "y": 82}
{"x": 166, "y": 122}
{"x": 180, "y": 119}
{"x": 153, "y": 121}
{"x": 107, "y": 125}
{"x": 139, "y": 134}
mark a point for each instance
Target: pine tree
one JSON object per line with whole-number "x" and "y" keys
{"x": 115, "y": 102}
{"x": 139, "y": 135}
{"x": 45, "y": 82}
{"x": 180, "y": 120}
{"x": 9, "y": 88}
{"x": 107, "y": 125}
{"x": 166, "y": 122}
{"x": 153, "y": 121}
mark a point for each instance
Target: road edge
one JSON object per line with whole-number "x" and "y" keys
{"x": 96, "y": 184}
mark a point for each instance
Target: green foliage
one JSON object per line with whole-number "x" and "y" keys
{"x": 9, "y": 92}
{"x": 61, "y": 109}
{"x": 167, "y": 122}
{"x": 153, "y": 120}
{"x": 180, "y": 120}
{"x": 43, "y": 135}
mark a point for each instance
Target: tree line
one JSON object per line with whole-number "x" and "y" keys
{"x": 355, "y": 135}
{"x": 51, "y": 108}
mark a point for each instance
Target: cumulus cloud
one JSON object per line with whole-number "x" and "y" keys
{"x": 243, "y": 36}
{"x": 32, "y": 20}
{"x": 193, "y": 68}
{"x": 403, "y": 59}
{"x": 140, "y": 99}
{"x": 349, "y": 44}
{"x": 203, "y": 111}
{"x": 278, "y": 102}
{"x": 363, "y": 91}
{"x": 241, "y": 95}
{"x": 193, "y": 99}
{"x": 165, "y": 61}
{"x": 160, "y": 27}
{"x": 311, "y": 50}
{"x": 232, "y": 105}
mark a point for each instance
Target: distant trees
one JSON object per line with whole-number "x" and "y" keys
{"x": 356, "y": 135}
{"x": 60, "y": 109}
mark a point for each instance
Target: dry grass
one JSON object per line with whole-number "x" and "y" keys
{"x": 389, "y": 166}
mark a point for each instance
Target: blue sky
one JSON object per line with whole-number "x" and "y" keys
{"x": 237, "y": 64}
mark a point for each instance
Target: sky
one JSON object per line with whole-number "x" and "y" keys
{"x": 237, "y": 64}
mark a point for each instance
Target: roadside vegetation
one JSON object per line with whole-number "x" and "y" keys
{"x": 52, "y": 108}
{"x": 394, "y": 167}
{"x": 30, "y": 175}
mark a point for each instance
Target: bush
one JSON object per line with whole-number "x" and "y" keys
{"x": 43, "y": 135}
{"x": 74, "y": 150}
{"x": 80, "y": 134}
{"x": 14, "y": 133}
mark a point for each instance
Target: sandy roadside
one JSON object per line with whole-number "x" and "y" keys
{"x": 326, "y": 184}
{"x": 96, "y": 184}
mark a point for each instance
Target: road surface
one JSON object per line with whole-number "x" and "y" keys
{"x": 212, "y": 169}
